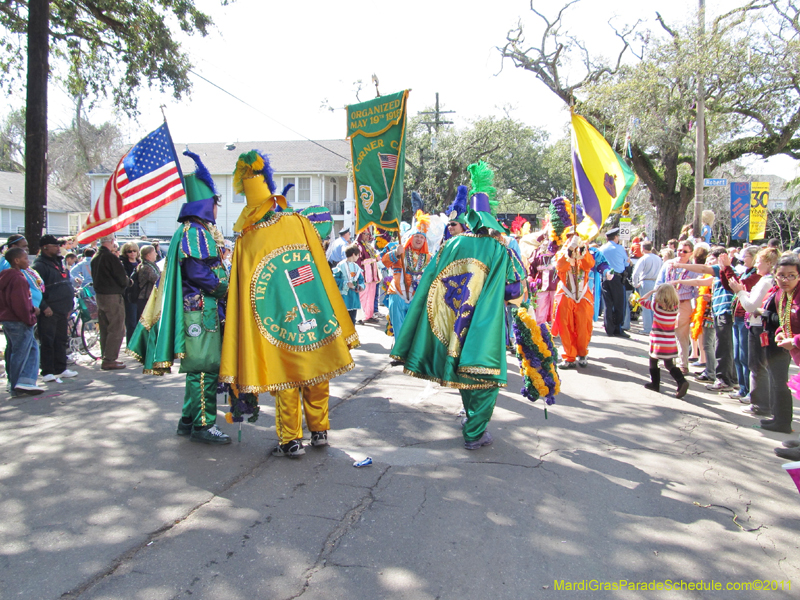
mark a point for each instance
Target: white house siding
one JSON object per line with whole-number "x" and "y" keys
{"x": 12, "y": 220}
{"x": 57, "y": 223}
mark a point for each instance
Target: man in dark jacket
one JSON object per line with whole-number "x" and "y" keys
{"x": 110, "y": 282}
{"x": 57, "y": 304}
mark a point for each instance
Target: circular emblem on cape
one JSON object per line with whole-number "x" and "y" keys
{"x": 194, "y": 330}
{"x": 290, "y": 303}
{"x": 452, "y": 300}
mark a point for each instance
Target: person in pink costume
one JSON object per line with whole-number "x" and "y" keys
{"x": 368, "y": 260}
{"x": 544, "y": 277}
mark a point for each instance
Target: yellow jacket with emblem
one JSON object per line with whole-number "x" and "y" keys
{"x": 287, "y": 325}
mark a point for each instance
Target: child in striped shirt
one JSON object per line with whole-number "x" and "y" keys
{"x": 663, "y": 342}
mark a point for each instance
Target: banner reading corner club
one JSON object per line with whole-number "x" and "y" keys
{"x": 378, "y": 144}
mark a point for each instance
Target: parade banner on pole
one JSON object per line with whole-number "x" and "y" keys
{"x": 740, "y": 211}
{"x": 378, "y": 143}
{"x": 759, "y": 198}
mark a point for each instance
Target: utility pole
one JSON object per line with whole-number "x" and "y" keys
{"x": 437, "y": 121}
{"x": 36, "y": 121}
{"x": 700, "y": 131}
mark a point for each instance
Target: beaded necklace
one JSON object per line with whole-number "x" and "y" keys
{"x": 415, "y": 261}
{"x": 785, "y": 312}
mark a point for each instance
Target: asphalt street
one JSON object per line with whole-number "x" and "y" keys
{"x": 99, "y": 499}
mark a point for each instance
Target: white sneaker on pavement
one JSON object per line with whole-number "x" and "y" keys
{"x": 29, "y": 388}
{"x": 49, "y": 378}
{"x": 67, "y": 374}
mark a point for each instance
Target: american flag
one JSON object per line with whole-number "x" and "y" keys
{"x": 301, "y": 275}
{"x": 147, "y": 178}
{"x": 388, "y": 161}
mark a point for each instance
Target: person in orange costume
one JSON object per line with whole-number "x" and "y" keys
{"x": 573, "y": 306}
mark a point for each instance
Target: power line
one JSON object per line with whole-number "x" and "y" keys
{"x": 259, "y": 111}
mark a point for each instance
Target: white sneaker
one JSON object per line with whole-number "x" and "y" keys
{"x": 67, "y": 373}
{"x": 25, "y": 387}
{"x": 49, "y": 378}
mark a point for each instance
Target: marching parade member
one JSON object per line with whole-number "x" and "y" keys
{"x": 368, "y": 260}
{"x": 574, "y": 302}
{"x": 455, "y": 323}
{"x": 186, "y": 312}
{"x": 288, "y": 330}
{"x": 407, "y": 261}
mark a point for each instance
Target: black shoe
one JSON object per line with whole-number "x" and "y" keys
{"x": 756, "y": 411}
{"x": 772, "y": 426}
{"x": 791, "y": 444}
{"x": 623, "y": 334}
{"x": 653, "y": 386}
{"x": 319, "y": 438}
{"x": 582, "y": 362}
{"x": 291, "y": 449}
{"x": 210, "y": 435}
{"x": 567, "y": 365}
{"x": 788, "y": 453}
{"x": 184, "y": 427}
{"x": 682, "y": 389}
{"x": 395, "y": 363}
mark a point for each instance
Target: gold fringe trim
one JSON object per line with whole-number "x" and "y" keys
{"x": 353, "y": 341}
{"x": 454, "y": 384}
{"x": 158, "y": 373}
{"x": 134, "y": 355}
{"x": 478, "y": 371}
{"x": 309, "y": 348}
{"x": 278, "y": 387}
{"x": 271, "y": 221}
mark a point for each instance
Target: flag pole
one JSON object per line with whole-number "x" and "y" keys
{"x": 574, "y": 200}
{"x": 296, "y": 299}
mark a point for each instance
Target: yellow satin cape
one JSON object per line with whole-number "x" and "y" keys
{"x": 252, "y": 359}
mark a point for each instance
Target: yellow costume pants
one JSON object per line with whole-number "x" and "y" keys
{"x": 289, "y": 418}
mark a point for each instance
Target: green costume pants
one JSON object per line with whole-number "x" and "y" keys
{"x": 479, "y": 406}
{"x": 200, "y": 399}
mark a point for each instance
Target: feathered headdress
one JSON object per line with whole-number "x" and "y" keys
{"x": 560, "y": 216}
{"x": 201, "y": 172}
{"x": 253, "y": 178}
{"x": 422, "y": 220}
{"x": 482, "y": 181}
{"x": 251, "y": 164}
{"x": 459, "y": 205}
{"x": 416, "y": 203}
{"x": 517, "y": 224}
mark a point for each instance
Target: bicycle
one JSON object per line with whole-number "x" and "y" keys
{"x": 83, "y": 330}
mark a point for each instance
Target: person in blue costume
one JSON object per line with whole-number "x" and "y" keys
{"x": 350, "y": 279}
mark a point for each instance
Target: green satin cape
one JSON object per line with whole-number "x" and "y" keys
{"x": 454, "y": 330}
{"x": 159, "y": 337}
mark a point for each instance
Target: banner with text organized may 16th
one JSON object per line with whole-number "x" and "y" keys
{"x": 378, "y": 142}
{"x": 759, "y": 198}
{"x": 740, "y": 211}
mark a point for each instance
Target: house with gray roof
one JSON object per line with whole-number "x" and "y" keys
{"x": 318, "y": 169}
{"x": 65, "y": 216}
